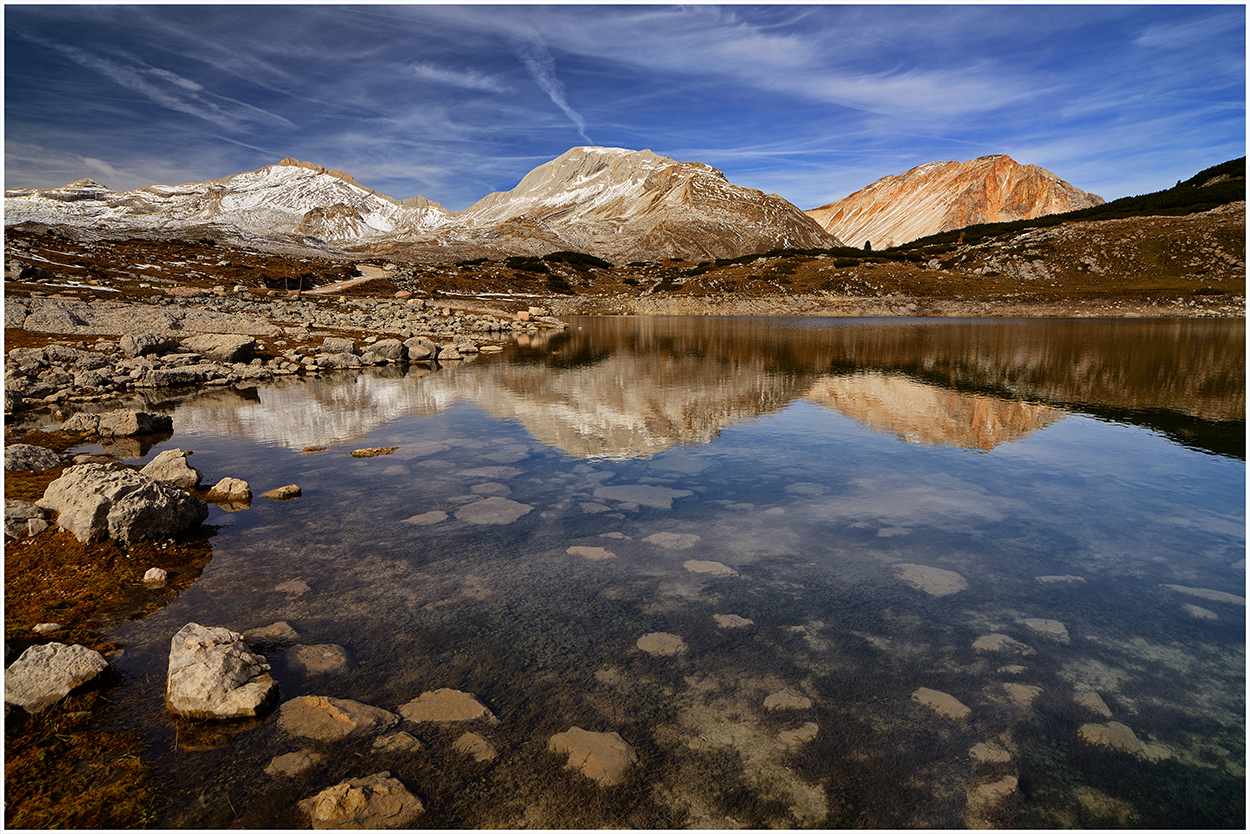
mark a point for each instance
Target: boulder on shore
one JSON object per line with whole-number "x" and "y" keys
{"x": 45, "y": 674}
{"x": 223, "y": 347}
{"x": 171, "y": 467}
{"x": 118, "y": 423}
{"x": 94, "y": 500}
{"x": 22, "y": 457}
{"x": 213, "y": 675}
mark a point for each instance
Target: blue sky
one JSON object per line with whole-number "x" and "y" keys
{"x": 811, "y": 102}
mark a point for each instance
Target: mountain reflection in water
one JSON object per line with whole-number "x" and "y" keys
{"x": 702, "y": 535}
{"x": 635, "y": 387}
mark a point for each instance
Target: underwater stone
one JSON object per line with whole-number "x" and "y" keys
{"x": 446, "y": 705}
{"x": 292, "y": 764}
{"x": 941, "y": 703}
{"x": 330, "y": 719}
{"x": 494, "y": 510}
{"x": 592, "y": 553}
{"x": 1053, "y": 629}
{"x": 731, "y": 621}
{"x": 319, "y": 659}
{"x": 1000, "y": 643}
{"x": 1113, "y": 734}
{"x": 472, "y": 744}
{"x": 1093, "y": 702}
{"x": 787, "y": 699}
{"x": 661, "y": 644}
{"x": 426, "y": 519}
{"x": 933, "y": 581}
{"x": 1022, "y": 694}
{"x": 714, "y": 568}
{"x": 603, "y": 757}
{"x": 673, "y": 541}
{"x": 987, "y": 799}
{"x": 375, "y": 801}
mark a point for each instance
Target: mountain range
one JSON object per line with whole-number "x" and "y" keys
{"x": 616, "y": 204}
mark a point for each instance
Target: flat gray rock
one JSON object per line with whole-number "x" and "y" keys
{"x": 22, "y": 457}
{"x": 45, "y": 674}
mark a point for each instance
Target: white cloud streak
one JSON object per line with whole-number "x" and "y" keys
{"x": 465, "y": 79}
{"x": 542, "y": 68}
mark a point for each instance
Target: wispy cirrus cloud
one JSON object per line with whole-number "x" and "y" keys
{"x": 542, "y": 68}
{"x": 164, "y": 88}
{"x": 465, "y": 79}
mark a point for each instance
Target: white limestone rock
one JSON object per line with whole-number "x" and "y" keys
{"x": 213, "y": 675}
{"x": 171, "y": 467}
{"x": 93, "y": 500}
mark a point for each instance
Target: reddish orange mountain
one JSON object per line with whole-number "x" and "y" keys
{"x": 941, "y": 196}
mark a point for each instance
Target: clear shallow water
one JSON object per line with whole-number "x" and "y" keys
{"x": 813, "y": 461}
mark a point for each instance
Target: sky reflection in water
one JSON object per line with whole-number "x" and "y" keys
{"x": 834, "y": 483}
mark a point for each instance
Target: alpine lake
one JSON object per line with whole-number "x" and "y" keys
{"x": 825, "y": 573}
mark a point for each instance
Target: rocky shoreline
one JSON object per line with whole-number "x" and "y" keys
{"x": 230, "y": 340}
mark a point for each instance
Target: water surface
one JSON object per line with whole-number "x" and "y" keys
{"x": 777, "y": 494}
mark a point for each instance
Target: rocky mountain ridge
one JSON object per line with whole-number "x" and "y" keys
{"x": 941, "y": 196}
{"x": 615, "y": 204}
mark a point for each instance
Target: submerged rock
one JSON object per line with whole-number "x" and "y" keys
{"x": 941, "y": 703}
{"x": 660, "y": 498}
{"x": 787, "y": 699}
{"x": 673, "y": 541}
{"x": 661, "y": 644}
{"x": 293, "y": 764}
{"x": 325, "y": 658}
{"x": 446, "y": 706}
{"x": 935, "y": 582}
{"x": 1093, "y": 702}
{"x": 493, "y": 510}
{"x": 331, "y": 719}
{"x": 988, "y": 802}
{"x": 375, "y": 801}
{"x": 213, "y": 675}
{"x": 45, "y": 674}
{"x": 703, "y": 566}
{"x": 603, "y": 757}
{"x": 472, "y": 744}
{"x": 592, "y": 553}
{"x": 1053, "y": 629}
{"x": 1115, "y": 735}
